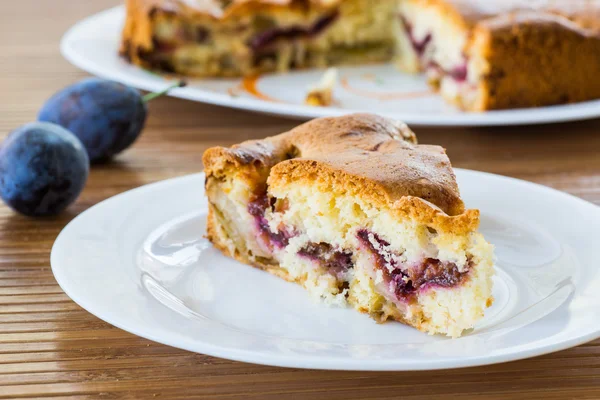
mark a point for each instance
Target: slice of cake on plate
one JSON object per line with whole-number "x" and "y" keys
{"x": 358, "y": 213}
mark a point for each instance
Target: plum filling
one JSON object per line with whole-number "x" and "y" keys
{"x": 201, "y": 35}
{"x": 458, "y": 73}
{"x": 335, "y": 261}
{"x": 266, "y": 38}
{"x": 405, "y": 280}
{"x": 155, "y": 60}
{"x": 164, "y": 46}
{"x": 257, "y": 208}
{"x": 418, "y": 45}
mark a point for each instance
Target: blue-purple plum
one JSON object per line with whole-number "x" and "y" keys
{"x": 43, "y": 169}
{"x": 106, "y": 116}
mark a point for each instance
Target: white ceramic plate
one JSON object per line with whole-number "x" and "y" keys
{"x": 92, "y": 45}
{"x": 139, "y": 262}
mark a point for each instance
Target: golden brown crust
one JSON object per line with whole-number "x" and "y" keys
{"x": 535, "y": 61}
{"x": 365, "y": 154}
{"x": 433, "y": 202}
{"x": 223, "y": 9}
{"x": 383, "y": 181}
{"x": 324, "y": 135}
{"x": 529, "y": 53}
{"x": 586, "y": 13}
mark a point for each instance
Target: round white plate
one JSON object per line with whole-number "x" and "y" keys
{"x": 139, "y": 261}
{"x": 93, "y": 44}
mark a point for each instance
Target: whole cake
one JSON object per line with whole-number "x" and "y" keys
{"x": 480, "y": 54}
{"x": 358, "y": 213}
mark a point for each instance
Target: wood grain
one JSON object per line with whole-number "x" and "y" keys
{"x": 50, "y": 347}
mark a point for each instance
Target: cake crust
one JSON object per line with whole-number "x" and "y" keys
{"x": 364, "y": 150}
{"x": 222, "y": 9}
{"x": 535, "y": 60}
{"x": 585, "y": 13}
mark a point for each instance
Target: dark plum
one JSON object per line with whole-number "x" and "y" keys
{"x": 335, "y": 260}
{"x": 43, "y": 169}
{"x": 408, "y": 280}
{"x": 268, "y": 36}
{"x": 257, "y": 208}
{"x": 106, "y": 116}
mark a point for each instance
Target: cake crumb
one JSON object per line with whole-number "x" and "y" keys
{"x": 321, "y": 94}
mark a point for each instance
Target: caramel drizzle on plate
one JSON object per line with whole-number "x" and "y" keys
{"x": 382, "y": 96}
{"x": 250, "y": 85}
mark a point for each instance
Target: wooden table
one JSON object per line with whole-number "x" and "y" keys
{"x": 50, "y": 347}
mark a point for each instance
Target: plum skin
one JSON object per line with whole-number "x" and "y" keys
{"x": 43, "y": 169}
{"x": 106, "y": 116}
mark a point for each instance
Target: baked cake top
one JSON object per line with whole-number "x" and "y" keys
{"x": 585, "y": 13}
{"x": 225, "y": 8}
{"x": 370, "y": 155}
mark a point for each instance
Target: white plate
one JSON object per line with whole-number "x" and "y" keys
{"x": 139, "y": 262}
{"x": 93, "y": 43}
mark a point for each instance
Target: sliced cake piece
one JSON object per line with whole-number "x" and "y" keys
{"x": 358, "y": 213}
{"x": 485, "y": 55}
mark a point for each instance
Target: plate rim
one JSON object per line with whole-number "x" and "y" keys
{"x": 307, "y": 361}
{"x": 524, "y": 116}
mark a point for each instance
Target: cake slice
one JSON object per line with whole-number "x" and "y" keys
{"x": 484, "y": 55}
{"x": 359, "y": 214}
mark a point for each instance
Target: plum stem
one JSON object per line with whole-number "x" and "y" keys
{"x": 152, "y": 96}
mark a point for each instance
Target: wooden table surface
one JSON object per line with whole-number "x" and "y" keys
{"x": 50, "y": 347}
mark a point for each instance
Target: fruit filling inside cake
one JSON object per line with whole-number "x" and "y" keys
{"x": 359, "y": 215}
{"x": 401, "y": 278}
{"x": 433, "y": 42}
{"x": 270, "y": 38}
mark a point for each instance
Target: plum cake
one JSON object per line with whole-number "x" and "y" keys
{"x": 480, "y": 54}
{"x": 357, "y": 212}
